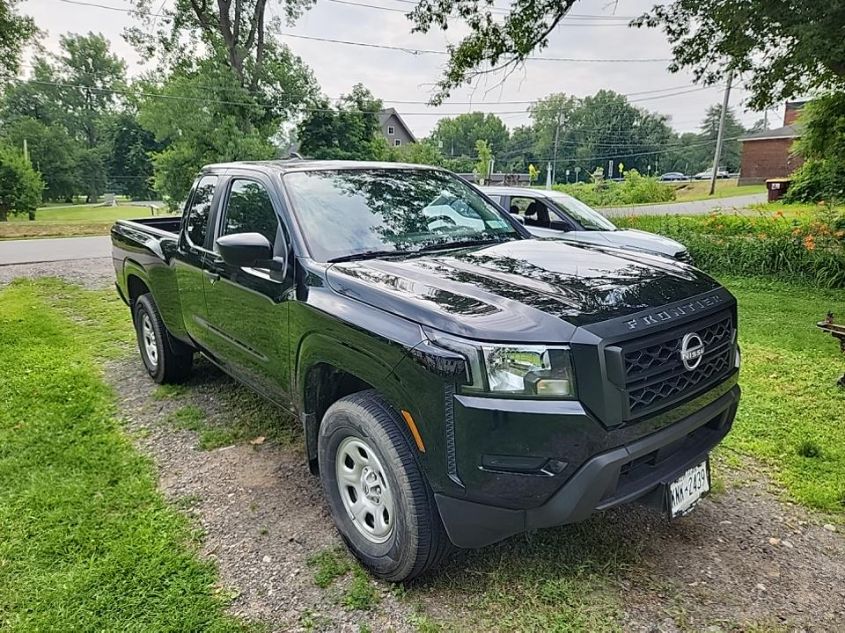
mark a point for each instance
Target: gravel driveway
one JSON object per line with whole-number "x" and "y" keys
{"x": 744, "y": 556}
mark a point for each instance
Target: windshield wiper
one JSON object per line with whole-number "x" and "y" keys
{"x": 461, "y": 244}
{"x": 364, "y": 255}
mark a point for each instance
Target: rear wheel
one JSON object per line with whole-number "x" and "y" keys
{"x": 166, "y": 359}
{"x": 379, "y": 498}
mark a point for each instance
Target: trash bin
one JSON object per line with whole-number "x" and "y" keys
{"x": 776, "y": 187}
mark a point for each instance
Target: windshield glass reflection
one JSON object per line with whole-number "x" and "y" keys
{"x": 344, "y": 213}
{"x": 586, "y": 216}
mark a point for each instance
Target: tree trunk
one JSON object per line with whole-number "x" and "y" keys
{"x": 32, "y": 216}
{"x": 3, "y": 215}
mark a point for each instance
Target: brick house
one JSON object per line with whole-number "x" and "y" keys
{"x": 394, "y": 129}
{"x": 769, "y": 154}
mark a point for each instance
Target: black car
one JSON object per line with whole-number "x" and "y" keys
{"x": 457, "y": 380}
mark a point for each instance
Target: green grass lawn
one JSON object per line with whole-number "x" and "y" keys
{"x": 71, "y": 220}
{"x": 700, "y": 190}
{"x": 86, "y": 541}
{"x": 792, "y": 412}
{"x": 85, "y": 213}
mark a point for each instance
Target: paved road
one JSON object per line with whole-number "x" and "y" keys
{"x": 54, "y": 250}
{"x": 696, "y": 207}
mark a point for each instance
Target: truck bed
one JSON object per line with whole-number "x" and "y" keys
{"x": 168, "y": 224}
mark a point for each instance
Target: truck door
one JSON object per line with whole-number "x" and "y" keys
{"x": 248, "y": 307}
{"x": 189, "y": 262}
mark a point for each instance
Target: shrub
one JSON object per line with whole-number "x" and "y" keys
{"x": 634, "y": 189}
{"x": 20, "y": 185}
{"x": 809, "y": 250}
{"x": 817, "y": 180}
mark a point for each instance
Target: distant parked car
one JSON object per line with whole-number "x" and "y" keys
{"x": 673, "y": 176}
{"x": 707, "y": 173}
{"x": 548, "y": 213}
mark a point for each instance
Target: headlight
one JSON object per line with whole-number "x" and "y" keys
{"x": 537, "y": 371}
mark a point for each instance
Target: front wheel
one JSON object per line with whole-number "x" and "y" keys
{"x": 379, "y": 498}
{"x": 166, "y": 359}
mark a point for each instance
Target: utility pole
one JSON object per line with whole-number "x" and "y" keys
{"x": 720, "y": 137}
{"x": 557, "y": 138}
{"x": 25, "y": 151}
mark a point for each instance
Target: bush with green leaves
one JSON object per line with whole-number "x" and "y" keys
{"x": 818, "y": 180}
{"x": 634, "y": 189}
{"x": 20, "y": 185}
{"x": 805, "y": 249}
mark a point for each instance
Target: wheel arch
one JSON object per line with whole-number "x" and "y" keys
{"x": 328, "y": 370}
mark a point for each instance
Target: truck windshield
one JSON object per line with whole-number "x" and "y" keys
{"x": 344, "y": 213}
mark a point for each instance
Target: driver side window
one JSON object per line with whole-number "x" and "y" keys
{"x": 250, "y": 210}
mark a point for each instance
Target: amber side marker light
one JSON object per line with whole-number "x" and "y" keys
{"x": 409, "y": 420}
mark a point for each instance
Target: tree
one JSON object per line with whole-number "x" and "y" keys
{"x": 93, "y": 77}
{"x": 485, "y": 161}
{"x": 52, "y": 153}
{"x": 74, "y": 96}
{"x": 423, "y": 153}
{"x": 458, "y": 136}
{"x": 130, "y": 165}
{"x": 521, "y": 151}
{"x": 201, "y": 114}
{"x": 15, "y": 32}
{"x": 236, "y": 30}
{"x": 780, "y": 49}
{"x": 20, "y": 185}
{"x": 492, "y": 39}
{"x": 348, "y": 132}
{"x": 732, "y": 148}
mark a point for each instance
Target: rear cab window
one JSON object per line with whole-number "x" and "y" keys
{"x": 199, "y": 210}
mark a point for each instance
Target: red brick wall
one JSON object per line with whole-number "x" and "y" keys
{"x": 767, "y": 158}
{"x": 793, "y": 109}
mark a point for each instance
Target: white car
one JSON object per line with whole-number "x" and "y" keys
{"x": 549, "y": 213}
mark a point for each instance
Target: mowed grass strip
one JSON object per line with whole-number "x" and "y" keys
{"x": 792, "y": 415}
{"x": 86, "y": 541}
{"x": 73, "y": 220}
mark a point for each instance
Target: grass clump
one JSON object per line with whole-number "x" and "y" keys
{"x": 188, "y": 418}
{"x": 329, "y": 565}
{"x": 87, "y": 541}
{"x": 169, "y": 392}
{"x": 361, "y": 595}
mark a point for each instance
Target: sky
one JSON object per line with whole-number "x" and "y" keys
{"x": 398, "y": 77}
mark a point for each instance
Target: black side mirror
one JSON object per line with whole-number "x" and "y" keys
{"x": 245, "y": 249}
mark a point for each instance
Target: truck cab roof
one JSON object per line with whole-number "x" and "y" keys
{"x": 299, "y": 164}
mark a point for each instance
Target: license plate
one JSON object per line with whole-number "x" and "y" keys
{"x": 686, "y": 491}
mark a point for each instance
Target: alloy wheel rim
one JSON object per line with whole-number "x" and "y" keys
{"x": 364, "y": 490}
{"x": 149, "y": 337}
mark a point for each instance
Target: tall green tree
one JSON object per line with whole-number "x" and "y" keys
{"x": 349, "y": 131}
{"x": 15, "y": 32}
{"x": 130, "y": 165}
{"x": 780, "y": 48}
{"x": 201, "y": 115}
{"x": 20, "y": 185}
{"x": 458, "y": 136}
{"x": 52, "y": 152}
{"x": 732, "y": 148}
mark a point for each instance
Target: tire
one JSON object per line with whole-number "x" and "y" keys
{"x": 165, "y": 359}
{"x": 409, "y": 539}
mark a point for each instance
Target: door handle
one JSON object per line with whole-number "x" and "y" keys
{"x": 212, "y": 277}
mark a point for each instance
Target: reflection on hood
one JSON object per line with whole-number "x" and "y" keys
{"x": 518, "y": 289}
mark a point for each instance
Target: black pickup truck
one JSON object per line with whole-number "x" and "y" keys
{"x": 458, "y": 381}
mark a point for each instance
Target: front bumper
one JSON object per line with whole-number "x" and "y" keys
{"x": 619, "y": 475}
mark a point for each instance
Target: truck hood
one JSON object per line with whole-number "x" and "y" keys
{"x": 628, "y": 238}
{"x": 523, "y": 290}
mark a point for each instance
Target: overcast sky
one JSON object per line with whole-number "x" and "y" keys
{"x": 396, "y": 75}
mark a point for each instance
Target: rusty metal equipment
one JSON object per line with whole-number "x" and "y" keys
{"x": 836, "y": 331}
